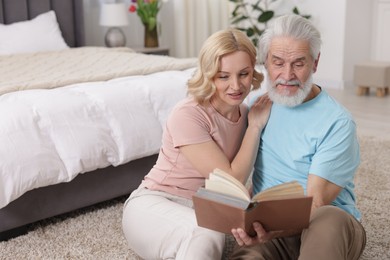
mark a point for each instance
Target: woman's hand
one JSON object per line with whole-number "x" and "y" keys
{"x": 259, "y": 112}
{"x": 207, "y": 156}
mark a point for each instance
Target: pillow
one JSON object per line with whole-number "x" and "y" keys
{"x": 39, "y": 34}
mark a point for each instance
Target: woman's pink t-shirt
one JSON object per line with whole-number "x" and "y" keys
{"x": 192, "y": 123}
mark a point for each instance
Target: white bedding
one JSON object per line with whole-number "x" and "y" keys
{"x": 46, "y": 136}
{"x": 54, "y": 69}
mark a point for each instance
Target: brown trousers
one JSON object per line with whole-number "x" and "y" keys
{"x": 332, "y": 234}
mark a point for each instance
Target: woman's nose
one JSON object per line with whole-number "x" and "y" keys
{"x": 235, "y": 84}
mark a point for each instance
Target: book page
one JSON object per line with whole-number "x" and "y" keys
{"x": 223, "y": 198}
{"x": 285, "y": 190}
{"x": 223, "y": 182}
{"x": 226, "y": 188}
{"x": 219, "y": 173}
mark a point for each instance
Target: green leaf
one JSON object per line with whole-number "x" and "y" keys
{"x": 257, "y": 7}
{"x": 244, "y": 10}
{"x": 239, "y": 19}
{"x": 255, "y": 41}
{"x": 152, "y": 23}
{"x": 265, "y": 17}
{"x": 296, "y": 11}
{"x": 241, "y": 29}
{"x": 235, "y": 11}
{"x": 250, "y": 32}
{"x": 257, "y": 30}
{"x": 147, "y": 11}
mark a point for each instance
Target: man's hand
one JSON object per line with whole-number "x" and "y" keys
{"x": 262, "y": 236}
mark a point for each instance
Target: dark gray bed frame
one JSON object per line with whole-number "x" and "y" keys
{"x": 88, "y": 188}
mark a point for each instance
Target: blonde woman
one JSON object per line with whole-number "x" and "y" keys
{"x": 210, "y": 129}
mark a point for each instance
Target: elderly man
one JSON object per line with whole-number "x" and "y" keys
{"x": 309, "y": 138}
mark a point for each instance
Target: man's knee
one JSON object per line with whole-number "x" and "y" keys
{"x": 332, "y": 229}
{"x": 330, "y": 216}
{"x": 328, "y": 222}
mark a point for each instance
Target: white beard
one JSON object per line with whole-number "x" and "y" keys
{"x": 283, "y": 98}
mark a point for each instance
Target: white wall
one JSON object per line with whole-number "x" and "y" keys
{"x": 381, "y": 23}
{"x": 134, "y": 31}
{"x": 358, "y": 36}
{"x": 346, "y": 28}
{"x": 345, "y": 25}
{"x": 328, "y": 16}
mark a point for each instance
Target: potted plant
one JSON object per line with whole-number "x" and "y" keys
{"x": 147, "y": 11}
{"x": 252, "y": 16}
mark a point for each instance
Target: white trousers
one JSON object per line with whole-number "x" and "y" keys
{"x": 158, "y": 225}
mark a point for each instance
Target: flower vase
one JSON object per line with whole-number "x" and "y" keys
{"x": 151, "y": 37}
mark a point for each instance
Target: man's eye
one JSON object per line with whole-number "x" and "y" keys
{"x": 298, "y": 65}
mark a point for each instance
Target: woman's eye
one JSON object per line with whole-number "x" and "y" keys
{"x": 244, "y": 74}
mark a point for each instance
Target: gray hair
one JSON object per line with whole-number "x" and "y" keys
{"x": 294, "y": 26}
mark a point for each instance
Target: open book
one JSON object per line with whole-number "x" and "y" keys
{"x": 225, "y": 203}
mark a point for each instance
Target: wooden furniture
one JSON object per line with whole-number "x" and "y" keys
{"x": 87, "y": 188}
{"x": 372, "y": 74}
{"x": 156, "y": 51}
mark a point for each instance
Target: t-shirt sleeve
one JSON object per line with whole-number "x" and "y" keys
{"x": 189, "y": 125}
{"x": 337, "y": 156}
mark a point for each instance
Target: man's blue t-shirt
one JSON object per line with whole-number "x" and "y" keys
{"x": 317, "y": 137}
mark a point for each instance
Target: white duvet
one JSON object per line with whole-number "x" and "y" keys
{"x": 50, "y": 136}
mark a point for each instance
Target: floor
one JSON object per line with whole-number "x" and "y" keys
{"x": 371, "y": 113}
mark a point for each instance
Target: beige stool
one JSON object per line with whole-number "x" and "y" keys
{"x": 372, "y": 74}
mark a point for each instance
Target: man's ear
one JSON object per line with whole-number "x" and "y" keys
{"x": 316, "y": 63}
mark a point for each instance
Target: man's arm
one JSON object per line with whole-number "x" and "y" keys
{"x": 322, "y": 191}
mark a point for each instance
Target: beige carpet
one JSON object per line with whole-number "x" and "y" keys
{"x": 95, "y": 233}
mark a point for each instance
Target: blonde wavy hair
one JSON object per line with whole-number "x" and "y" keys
{"x": 201, "y": 85}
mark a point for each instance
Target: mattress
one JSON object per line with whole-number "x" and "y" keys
{"x": 50, "y": 134}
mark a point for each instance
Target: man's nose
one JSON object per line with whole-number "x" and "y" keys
{"x": 287, "y": 72}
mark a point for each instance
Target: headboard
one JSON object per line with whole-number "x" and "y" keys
{"x": 69, "y": 15}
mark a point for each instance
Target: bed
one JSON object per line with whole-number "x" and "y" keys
{"x": 79, "y": 124}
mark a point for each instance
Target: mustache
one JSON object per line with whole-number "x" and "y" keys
{"x": 287, "y": 82}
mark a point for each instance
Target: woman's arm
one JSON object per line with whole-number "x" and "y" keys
{"x": 205, "y": 157}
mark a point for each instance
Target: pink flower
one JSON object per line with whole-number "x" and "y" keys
{"x": 147, "y": 10}
{"x": 132, "y": 8}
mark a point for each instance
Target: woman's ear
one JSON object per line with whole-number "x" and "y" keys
{"x": 316, "y": 63}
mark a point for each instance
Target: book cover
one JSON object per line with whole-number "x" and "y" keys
{"x": 283, "y": 207}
